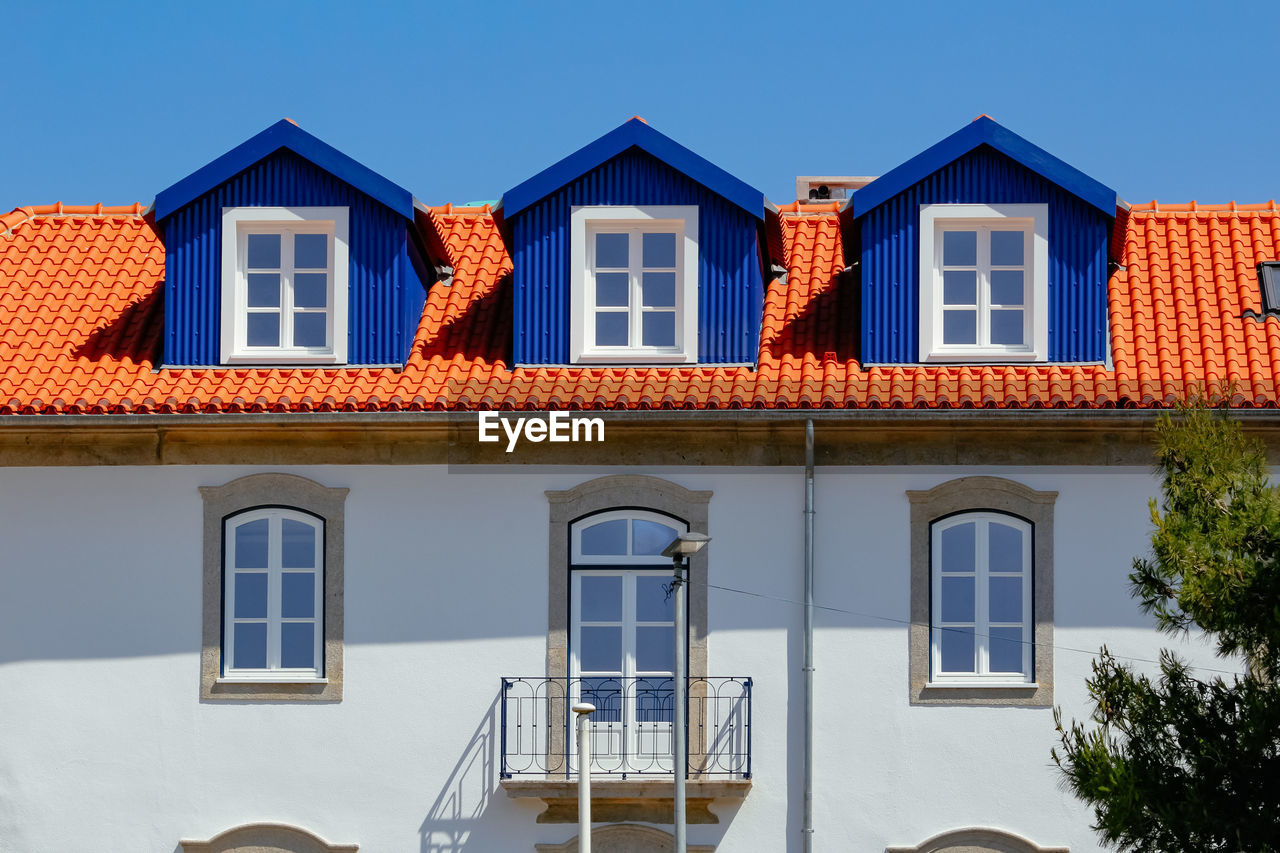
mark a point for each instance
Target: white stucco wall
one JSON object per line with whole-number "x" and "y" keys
{"x": 104, "y": 744}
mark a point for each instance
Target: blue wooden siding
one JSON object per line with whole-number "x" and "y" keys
{"x": 385, "y": 294}
{"x": 890, "y": 252}
{"x": 730, "y": 285}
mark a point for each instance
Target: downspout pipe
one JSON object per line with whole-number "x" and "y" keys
{"x": 806, "y": 828}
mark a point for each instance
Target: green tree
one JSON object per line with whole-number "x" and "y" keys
{"x": 1189, "y": 761}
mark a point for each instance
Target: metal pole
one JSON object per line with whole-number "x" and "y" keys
{"x": 583, "y": 710}
{"x": 681, "y": 747}
{"x": 806, "y": 826}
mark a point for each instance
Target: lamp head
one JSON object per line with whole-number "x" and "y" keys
{"x": 686, "y": 545}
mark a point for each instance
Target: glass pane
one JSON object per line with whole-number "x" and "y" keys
{"x": 264, "y": 290}
{"x": 1006, "y": 650}
{"x": 251, "y": 545}
{"x": 650, "y": 537}
{"x": 263, "y": 330}
{"x": 264, "y": 252}
{"x": 653, "y": 602}
{"x": 613, "y": 289}
{"x": 659, "y": 250}
{"x": 959, "y": 327}
{"x": 310, "y": 290}
{"x": 310, "y": 329}
{"x": 298, "y": 595}
{"x": 251, "y": 595}
{"x": 655, "y": 700}
{"x": 606, "y": 695}
{"x": 611, "y": 328}
{"x": 1006, "y": 327}
{"x": 250, "y": 651}
{"x": 958, "y": 544}
{"x": 299, "y": 551}
{"x": 311, "y": 251}
{"x": 606, "y": 537}
{"x": 1006, "y": 248}
{"x": 611, "y": 250}
{"x": 1006, "y": 599}
{"x": 1006, "y": 287}
{"x": 298, "y": 645}
{"x": 960, "y": 287}
{"x": 957, "y": 599}
{"x": 601, "y": 649}
{"x": 1006, "y": 548}
{"x": 957, "y": 649}
{"x": 658, "y": 290}
{"x": 655, "y": 649}
{"x": 959, "y": 248}
{"x": 601, "y": 599}
{"x": 658, "y": 329}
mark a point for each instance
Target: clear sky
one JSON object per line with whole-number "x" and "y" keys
{"x": 460, "y": 101}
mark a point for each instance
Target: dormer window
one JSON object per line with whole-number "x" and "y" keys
{"x": 284, "y": 285}
{"x": 635, "y": 284}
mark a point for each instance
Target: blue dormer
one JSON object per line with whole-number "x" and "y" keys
{"x": 983, "y": 249}
{"x": 285, "y": 252}
{"x": 634, "y": 250}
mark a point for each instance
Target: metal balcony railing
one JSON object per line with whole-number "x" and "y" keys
{"x": 631, "y": 729}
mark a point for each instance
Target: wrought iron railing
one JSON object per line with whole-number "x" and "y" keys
{"x": 631, "y": 729}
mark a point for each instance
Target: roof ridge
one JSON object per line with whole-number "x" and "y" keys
{"x": 1195, "y": 207}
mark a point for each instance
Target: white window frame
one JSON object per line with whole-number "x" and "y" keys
{"x": 1033, "y": 219}
{"x": 585, "y": 222}
{"x": 237, "y": 224}
{"x": 273, "y": 672}
{"x": 982, "y": 676}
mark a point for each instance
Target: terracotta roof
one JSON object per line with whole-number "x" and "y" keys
{"x": 81, "y": 317}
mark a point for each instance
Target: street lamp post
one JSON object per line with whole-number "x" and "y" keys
{"x": 583, "y": 710}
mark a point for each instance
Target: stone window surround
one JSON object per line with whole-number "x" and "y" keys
{"x": 251, "y": 492}
{"x": 267, "y": 838}
{"x": 977, "y": 494}
{"x": 977, "y": 840}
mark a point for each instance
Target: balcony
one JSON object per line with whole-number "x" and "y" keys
{"x": 632, "y": 748}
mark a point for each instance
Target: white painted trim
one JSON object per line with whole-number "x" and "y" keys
{"x": 1035, "y": 219}
{"x": 238, "y": 222}
{"x": 683, "y": 220}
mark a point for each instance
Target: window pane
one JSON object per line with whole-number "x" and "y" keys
{"x": 611, "y": 250}
{"x": 310, "y": 290}
{"x": 250, "y": 651}
{"x": 606, "y": 537}
{"x": 613, "y": 289}
{"x": 264, "y": 290}
{"x": 264, "y": 252}
{"x": 263, "y": 330}
{"x": 658, "y": 290}
{"x": 299, "y": 546}
{"x": 298, "y": 595}
{"x": 1006, "y": 287}
{"x": 960, "y": 287}
{"x": 606, "y": 695}
{"x": 658, "y": 329}
{"x": 957, "y": 599}
{"x": 601, "y": 649}
{"x": 958, "y": 548}
{"x": 1006, "y": 599}
{"x": 1006, "y": 548}
{"x": 653, "y": 601}
{"x": 655, "y": 649}
{"x": 311, "y": 251}
{"x": 650, "y": 537}
{"x": 601, "y": 599}
{"x": 1006, "y": 327}
{"x": 959, "y": 248}
{"x": 1006, "y": 248}
{"x": 957, "y": 649}
{"x": 655, "y": 702}
{"x": 310, "y": 329}
{"x": 1006, "y": 650}
{"x": 251, "y": 545}
{"x": 659, "y": 250}
{"x": 611, "y": 328}
{"x": 959, "y": 327}
{"x": 251, "y": 595}
{"x": 298, "y": 645}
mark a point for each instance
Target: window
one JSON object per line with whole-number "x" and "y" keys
{"x": 1269, "y": 284}
{"x": 635, "y": 284}
{"x": 984, "y": 292}
{"x": 284, "y": 288}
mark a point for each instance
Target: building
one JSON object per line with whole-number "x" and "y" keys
{"x": 272, "y": 582}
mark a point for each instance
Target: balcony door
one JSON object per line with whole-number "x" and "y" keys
{"x": 622, "y": 641}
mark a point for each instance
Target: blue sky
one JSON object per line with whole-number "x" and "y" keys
{"x": 460, "y": 101}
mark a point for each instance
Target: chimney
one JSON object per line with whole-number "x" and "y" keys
{"x": 836, "y": 188}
